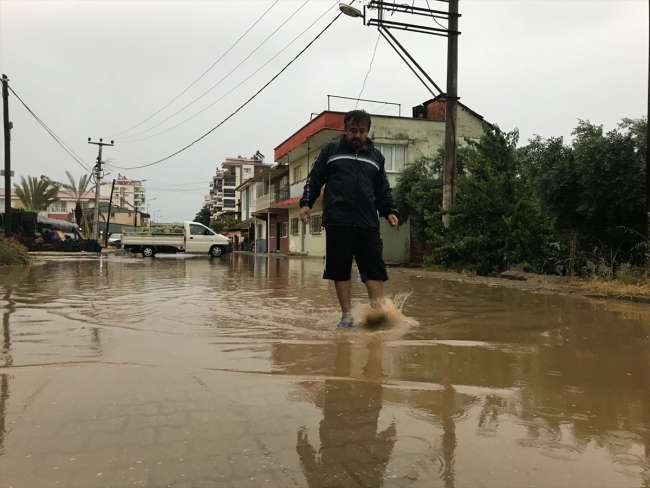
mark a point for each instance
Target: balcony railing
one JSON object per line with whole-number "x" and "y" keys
{"x": 296, "y": 190}
{"x": 283, "y": 194}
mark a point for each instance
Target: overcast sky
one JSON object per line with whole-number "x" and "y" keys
{"x": 97, "y": 68}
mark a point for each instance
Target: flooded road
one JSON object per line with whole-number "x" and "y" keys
{"x": 189, "y": 372}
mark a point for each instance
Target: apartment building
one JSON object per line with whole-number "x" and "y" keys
{"x": 127, "y": 194}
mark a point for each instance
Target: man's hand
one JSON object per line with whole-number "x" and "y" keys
{"x": 305, "y": 213}
{"x": 393, "y": 221}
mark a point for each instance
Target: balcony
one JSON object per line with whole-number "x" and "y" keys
{"x": 296, "y": 190}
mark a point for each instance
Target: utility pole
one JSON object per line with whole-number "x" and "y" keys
{"x": 108, "y": 218}
{"x": 7, "y": 134}
{"x": 451, "y": 107}
{"x": 647, "y": 149}
{"x": 98, "y": 177}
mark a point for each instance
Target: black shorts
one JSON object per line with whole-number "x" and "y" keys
{"x": 345, "y": 243}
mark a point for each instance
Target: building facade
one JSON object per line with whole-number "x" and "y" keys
{"x": 400, "y": 139}
{"x": 63, "y": 209}
{"x": 127, "y": 193}
{"x": 225, "y": 199}
{"x": 259, "y": 197}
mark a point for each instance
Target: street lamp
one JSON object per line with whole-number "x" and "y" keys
{"x": 154, "y": 215}
{"x": 148, "y": 202}
{"x": 350, "y": 11}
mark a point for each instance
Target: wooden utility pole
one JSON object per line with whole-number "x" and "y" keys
{"x": 647, "y": 149}
{"x": 7, "y": 135}
{"x": 98, "y": 178}
{"x": 451, "y": 106}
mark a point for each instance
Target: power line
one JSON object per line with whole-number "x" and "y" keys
{"x": 434, "y": 17}
{"x": 246, "y": 102}
{"x": 58, "y": 140}
{"x": 369, "y": 70}
{"x": 225, "y": 77}
{"x": 237, "y": 86}
{"x": 204, "y": 73}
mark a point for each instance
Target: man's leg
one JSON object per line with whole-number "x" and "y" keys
{"x": 375, "y": 291}
{"x": 344, "y": 294}
{"x": 368, "y": 253}
{"x": 339, "y": 243}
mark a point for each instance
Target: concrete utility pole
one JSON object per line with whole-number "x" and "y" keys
{"x": 7, "y": 134}
{"x": 451, "y": 106}
{"x": 98, "y": 177}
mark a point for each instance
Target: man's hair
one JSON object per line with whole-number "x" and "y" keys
{"x": 358, "y": 116}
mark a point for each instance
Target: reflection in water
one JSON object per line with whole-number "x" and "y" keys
{"x": 4, "y": 396}
{"x": 352, "y": 452}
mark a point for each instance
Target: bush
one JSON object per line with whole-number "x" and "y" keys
{"x": 13, "y": 253}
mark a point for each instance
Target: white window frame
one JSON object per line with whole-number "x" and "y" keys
{"x": 295, "y": 231}
{"x": 271, "y": 231}
{"x": 383, "y": 148}
{"x": 297, "y": 170}
{"x": 316, "y": 225}
{"x": 284, "y": 226}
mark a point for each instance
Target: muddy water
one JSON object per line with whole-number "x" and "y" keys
{"x": 188, "y": 372}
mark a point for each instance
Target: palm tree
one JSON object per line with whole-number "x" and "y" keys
{"x": 36, "y": 194}
{"x": 77, "y": 190}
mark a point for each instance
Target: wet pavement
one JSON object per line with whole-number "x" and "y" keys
{"x": 190, "y": 372}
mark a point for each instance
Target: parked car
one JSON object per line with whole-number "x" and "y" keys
{"x": 195, "y": 239}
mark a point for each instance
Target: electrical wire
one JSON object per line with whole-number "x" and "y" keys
{"x": 434, "y": 17}
{"x": 222, "y": 79}
{"x": 363, "y": 87}
{"x": 58, "y": 140}
{"x": 237, "y": 86}
{"x": 246, "y": 102}
{"x": 204, "y": 73}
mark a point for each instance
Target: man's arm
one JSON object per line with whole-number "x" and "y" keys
{"x": 315, "y": 180}
{"x": 384, "y": 196}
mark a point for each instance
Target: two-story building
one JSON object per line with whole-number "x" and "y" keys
{"x": 400, "y": 139}
{"x": 259, "y": 197}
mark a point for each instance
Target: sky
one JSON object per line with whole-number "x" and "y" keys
{"x": 99, "y": 68}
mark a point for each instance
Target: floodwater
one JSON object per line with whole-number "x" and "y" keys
{"x": 190, "y": 372}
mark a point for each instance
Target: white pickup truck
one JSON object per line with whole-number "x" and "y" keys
{"x": 195, "y": 239}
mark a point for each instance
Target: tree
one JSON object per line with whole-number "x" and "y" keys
{"x": 220, "y": 226}
{"x": 77, "y": 190}
{"x": 593, "y": 189}
{"x": 495, "y": 223}
{"x": 203, "y": 217}
{"x": 419, "y": 189}
{"x": 36, "y": 194}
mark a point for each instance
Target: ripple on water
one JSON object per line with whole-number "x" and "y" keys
{"x": 542, "y": 432}
{"x": 549, "y": 411}
{"x": 623, "y": 434}
{"x": 559, "y": 451}
{"x": 574, "y": 389}
{"x": 554, "y": 373}
{"x": 631, "y": 465}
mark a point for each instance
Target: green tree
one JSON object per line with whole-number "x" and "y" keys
{"x": 495, "y": 223}
{"x": 220, "y": 226}
{"x": 203, "y": 217}
{"x": 418, "y": 190}
{"x": 593, "y": 189}
{"x": 36, "y": 194}
{"x": 77, "y": 189}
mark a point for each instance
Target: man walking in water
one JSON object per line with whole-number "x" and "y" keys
{"x": 357, "y": 188}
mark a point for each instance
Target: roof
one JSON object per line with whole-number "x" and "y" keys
{"x": 272, "y": 173}
{"x": 325, "y": 121}
{"x": 244, "y": 224}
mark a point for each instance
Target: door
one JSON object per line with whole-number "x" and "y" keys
{"x": 199, "y": 239}
{"x": 278, "y": 234}
{"x": 304, "y": 233}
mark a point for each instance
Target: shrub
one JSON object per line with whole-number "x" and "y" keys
{"x": 13, "y": 252}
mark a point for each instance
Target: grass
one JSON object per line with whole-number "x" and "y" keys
{"x": 13, "y": 253}
{"x": 629, "y": 282}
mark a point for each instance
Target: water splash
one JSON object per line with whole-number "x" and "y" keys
{"x": 386, "y": 314}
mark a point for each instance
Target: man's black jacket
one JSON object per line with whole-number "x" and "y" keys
{"x": 356, "y": 185}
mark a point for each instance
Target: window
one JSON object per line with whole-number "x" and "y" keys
{"x": 315, "y": 226}
{"x": 112, "y": 215}
{"x": 297, "y": 174}
{"x": 272, "y": 231}
{"x": 295, "y": 225}
{"x": 284, "y": 229}
{"x": 230, "y": 181}
{"x": 395, "y": 157}
{"x": 260, "y": 231}
{"x": 228, "y": 203}
{"x": 228, "y": 192}
{"x": 59, "y": 207}
{"x": 197, "y": 230}
{"x": 247, "y": 170}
